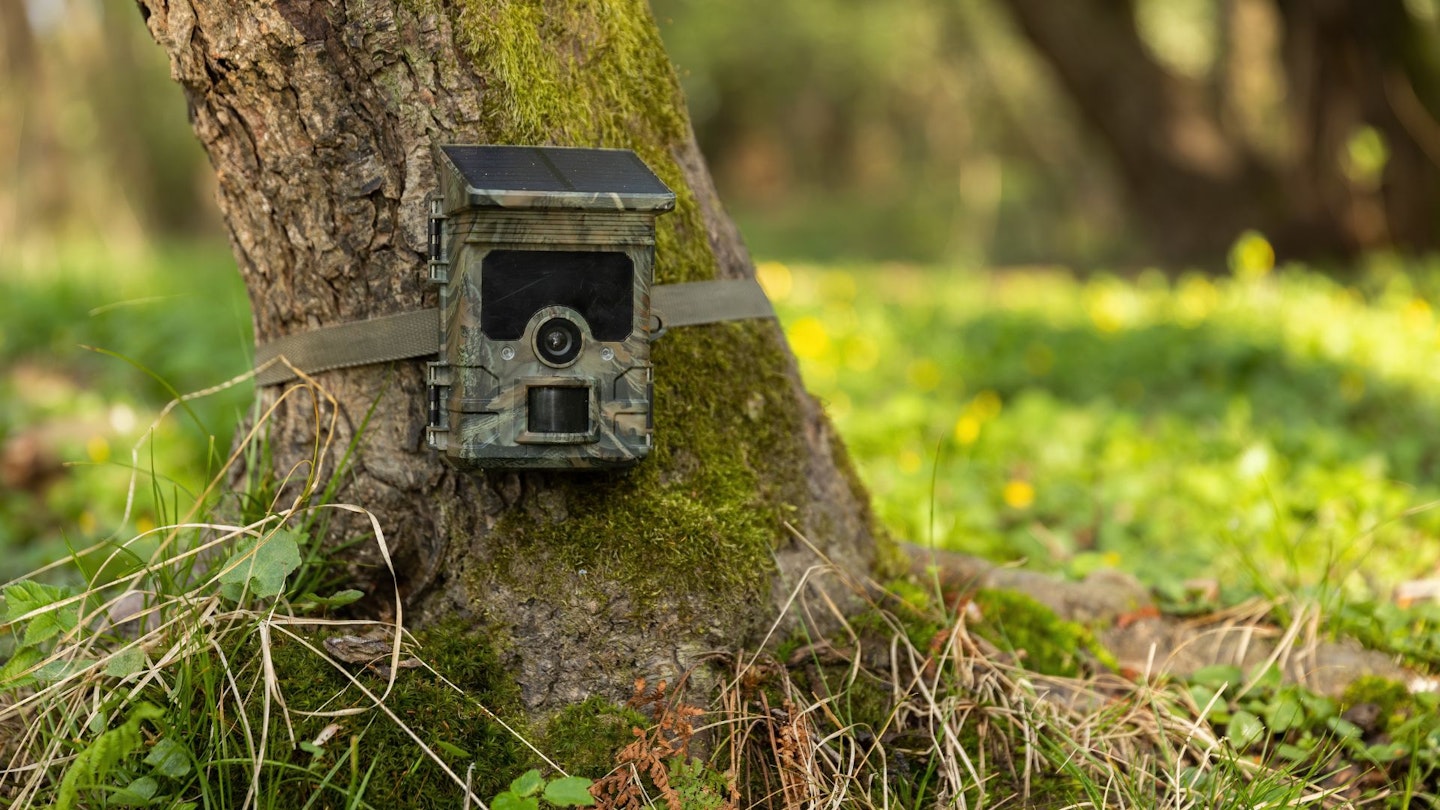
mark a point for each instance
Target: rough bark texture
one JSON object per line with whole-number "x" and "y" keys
{"x": 1193, "y": 179}
{"x": 319, "y": 117}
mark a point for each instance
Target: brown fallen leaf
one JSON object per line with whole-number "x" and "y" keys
{"x": 371, "y": 652}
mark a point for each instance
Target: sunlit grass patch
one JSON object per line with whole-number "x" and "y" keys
{"x": 1279, "y": 425}
{"x": 95, "y": 343}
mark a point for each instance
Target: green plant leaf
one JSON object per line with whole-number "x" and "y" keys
{"x": 1318, "y": 707}
{"x": 136, "y": 794}
{"x": 260, "y": 567}
{"x": 169, "y": 758}
{"x": 1293, "y": 753}
{"x": 125, "y": 663}
{"x": 26, "y": 597}
{"x": 509, "y": 801}
{"x": 1244, "y": 730}
{"x": 98, "y": 758}
{"x": 56, "y": 671}
{"x": 1217, "y": 676}
{"x": 1386, "y": 752}
{"x": 336, "y": 600}
{"x": 311, "y": 748}
{"x": 457, "y": 751}
{"x": 571, "y": 791}
{"x": 1343, "y": 728}
{"x": 13, "y": 674}
{"x": 1284, "y": 713}
{"x": 1270, "y": 679}
{"x": 527, "y": 784}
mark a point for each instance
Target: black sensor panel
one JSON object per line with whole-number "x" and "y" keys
{"x": 515, "y": 284}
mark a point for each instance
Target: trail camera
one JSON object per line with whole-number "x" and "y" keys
{"x": 540, "y": 349}
{"x": 544, "y": 258}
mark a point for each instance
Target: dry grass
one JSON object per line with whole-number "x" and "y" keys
{"x": 170, "y": 611}
{"x": 965, "y": 729}
{"x": 964, "y": 724}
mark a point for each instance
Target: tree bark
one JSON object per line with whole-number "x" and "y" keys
{"x": 319, "y": 117}
{"x": 1195, "y": 182}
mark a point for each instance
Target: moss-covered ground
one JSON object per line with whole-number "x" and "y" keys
{"x": 458, "y": 724}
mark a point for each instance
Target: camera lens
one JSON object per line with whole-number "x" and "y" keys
{"x": 557, "y": 341}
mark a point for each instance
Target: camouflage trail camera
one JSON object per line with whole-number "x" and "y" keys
{"x": 545, "y": 259}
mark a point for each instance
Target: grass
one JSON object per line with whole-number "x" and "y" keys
{"x": 191, "y": 665}
{"x": 1270, "y": 432}
{"x": 95, "y": 344}
{"x": 867, "y": 718}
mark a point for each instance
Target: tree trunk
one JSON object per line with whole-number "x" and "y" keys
{"x": 1195, "y": 182}
{"x": 1354, "y": 63}
{"x": 319, "y": 117}
{"x": 35, "y": 182}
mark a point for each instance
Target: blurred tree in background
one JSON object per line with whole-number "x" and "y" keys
{"x": 1016, "y": 126}
{"x": 1310, "y": 120}
{"x": 93, "y": 133}
{"x": 912, "y": 129}
{"x": 973, "y": 131}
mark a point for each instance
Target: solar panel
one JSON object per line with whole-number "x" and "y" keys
{"x": 500, "y": 170}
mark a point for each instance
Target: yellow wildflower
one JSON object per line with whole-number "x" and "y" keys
{"x": 1018, "y": 494}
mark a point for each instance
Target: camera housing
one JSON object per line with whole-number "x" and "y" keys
{"x": 545, "y": 258}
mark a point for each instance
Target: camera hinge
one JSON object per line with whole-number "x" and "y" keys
{"x": 437, "y": 378}
{"x": 439, "y": 264}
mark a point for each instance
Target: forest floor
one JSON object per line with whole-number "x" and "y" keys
{"x": 1222, "y": 483}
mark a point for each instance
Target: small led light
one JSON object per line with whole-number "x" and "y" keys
{"x": 507, "y": 353}
{"x": 607, "y": 354}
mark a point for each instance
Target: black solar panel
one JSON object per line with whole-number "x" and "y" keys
{"x": 538, "y": 168}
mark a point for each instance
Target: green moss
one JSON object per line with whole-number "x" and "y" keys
{"x": 728, "y": 466}
{"x": 451, "y": 723}
{"x": 909, "y": 603}
{"x": 589, "y": 73}
{"x": 1049, "y": 645}
{"x": 703, "y": 515}
{"x": 1392, "y": 698}
{"x": 584, "y": 738}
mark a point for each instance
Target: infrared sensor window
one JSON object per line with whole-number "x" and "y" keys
{"x": 515, "y": 284}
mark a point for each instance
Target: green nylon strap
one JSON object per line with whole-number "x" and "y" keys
{"x": 708, "y": 302}
{"x": 358, "y": 343}
{"x": 417, "y": 334}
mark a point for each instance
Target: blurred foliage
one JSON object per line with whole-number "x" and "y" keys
{"x": 95, "y": 345}
{"x": 934, "y": 130}
{"x": 919, "y": 130}
{"x": 1273, "y": 429}
{"x": 94, "y": 132}
{"x": 913, "y": 129}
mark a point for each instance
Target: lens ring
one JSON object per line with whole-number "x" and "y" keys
{"x": 558, "y": 342}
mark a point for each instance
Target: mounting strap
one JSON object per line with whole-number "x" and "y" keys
{"x": 417, "y": 334}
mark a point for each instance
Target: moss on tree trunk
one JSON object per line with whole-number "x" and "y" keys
{"x": 319, "y": 118}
